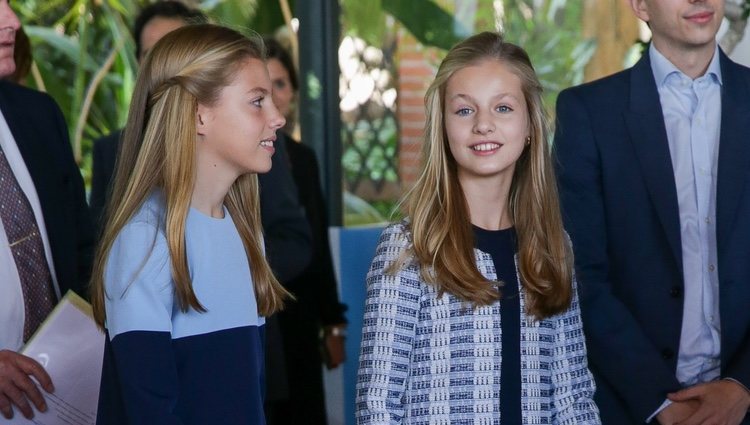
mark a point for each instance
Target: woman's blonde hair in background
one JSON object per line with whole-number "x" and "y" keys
{"x": 188, "y": 66}
{"x": 442, "y": 236}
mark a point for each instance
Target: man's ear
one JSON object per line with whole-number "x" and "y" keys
{"x": 640, "y": 7}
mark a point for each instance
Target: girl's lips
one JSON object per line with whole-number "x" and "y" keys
{"x": 268, "y": 145}
{"x": 485, "y": 148}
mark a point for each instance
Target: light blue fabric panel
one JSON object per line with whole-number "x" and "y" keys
{"x": 357, "y": 250}
{"x": 140, "y": 289}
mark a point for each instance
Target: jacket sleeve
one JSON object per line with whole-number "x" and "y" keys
{"x": 103, "y": 160}
{"x": 81, "y": 220}
{"x": 139, "y": 308}
{"x": 573, "y": 394}
{"x": 619, "y": 351}
{"x": 388, "y": 332}
{"x": 331, "y": 311}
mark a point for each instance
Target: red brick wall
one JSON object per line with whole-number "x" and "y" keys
{"x": 416, "y": 68}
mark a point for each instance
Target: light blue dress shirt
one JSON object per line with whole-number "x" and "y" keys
{"x": 692, "y": 116}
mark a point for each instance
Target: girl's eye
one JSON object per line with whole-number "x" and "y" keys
{"x": 504, "y": 108}
{"x": 464, "y": 111}
{"x": 258, "y": 102}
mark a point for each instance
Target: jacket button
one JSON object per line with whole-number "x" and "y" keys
{"x": 675, "y": 292}
{"x": 667, "y": 354}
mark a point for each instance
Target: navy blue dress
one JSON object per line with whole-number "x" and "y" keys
{"x": 501, "y": 245}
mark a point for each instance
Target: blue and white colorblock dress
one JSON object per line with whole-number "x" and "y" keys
{"x": 434, "y": 360}
{"x": 165, "y": 366}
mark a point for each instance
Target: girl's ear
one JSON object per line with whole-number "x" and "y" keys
{"x": 201, "y": 120}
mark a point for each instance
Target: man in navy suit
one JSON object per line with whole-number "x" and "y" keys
{"x": 37, "y": 161}
{"x": 654, "y": 173}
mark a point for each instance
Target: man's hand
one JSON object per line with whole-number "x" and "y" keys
{"x": 16, "y": 386}
{"x": 722, "y": 402}
{"x": 677, "y": 411}
{"x": 334, "y": 346}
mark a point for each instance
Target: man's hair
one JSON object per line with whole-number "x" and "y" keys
{"x": 164, "y": 9}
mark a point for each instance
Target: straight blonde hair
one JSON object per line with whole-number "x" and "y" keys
{"x": 442, "y": 237}
{"x": 187, "y": 67}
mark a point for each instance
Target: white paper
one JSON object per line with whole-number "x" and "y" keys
{"x": 71, "y": 349}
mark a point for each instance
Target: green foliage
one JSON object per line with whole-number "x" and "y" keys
{"x": 550, "y": 32}
{"x": 365, "y": 20}
{"x": 426, "y": 21}
{"x": 261, "y": 16}
{"x": 358, "y": 212}
{"x": 71, "y": 44}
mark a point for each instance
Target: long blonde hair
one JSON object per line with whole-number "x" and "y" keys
{"x": 188, "y": 66}
{"x": 442, "y": 237}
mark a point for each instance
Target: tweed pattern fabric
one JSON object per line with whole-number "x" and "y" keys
{"x": 434, "y": 360}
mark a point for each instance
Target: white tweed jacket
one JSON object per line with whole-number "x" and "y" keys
{"x": 429, "y": 360}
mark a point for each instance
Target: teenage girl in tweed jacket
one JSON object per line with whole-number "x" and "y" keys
{"x": 472, "y": 312}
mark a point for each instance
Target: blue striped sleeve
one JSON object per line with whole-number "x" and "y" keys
{"x": 573, "y": 395}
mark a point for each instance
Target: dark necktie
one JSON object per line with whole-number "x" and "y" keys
{"x": 27, "y": 248}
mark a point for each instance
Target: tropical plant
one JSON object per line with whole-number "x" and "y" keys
{"x": 83, "y": 58}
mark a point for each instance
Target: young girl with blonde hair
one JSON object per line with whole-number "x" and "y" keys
{"x": 180, "y": 280}
{"x": 472, "y": 313}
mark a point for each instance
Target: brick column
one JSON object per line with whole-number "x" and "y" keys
{"x": 416, "y": 69}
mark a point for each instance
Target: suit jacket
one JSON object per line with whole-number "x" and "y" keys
{"x": 103, "y": 161}
{"x": 318, "y": 281}
{"x": 620, "y": 207}
{"x": 431, "y": 359}
{"x": 316, "y": 305}
{"x": 41, "y": 134}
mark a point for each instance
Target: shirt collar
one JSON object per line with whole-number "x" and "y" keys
{"x": 663, "y": 68}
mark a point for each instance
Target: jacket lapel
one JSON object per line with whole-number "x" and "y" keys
{"x": 645, "y": 121}
{"x": 32, "y": 154}
{"x": 734, "y": 149}
{"x": 41, "y": 167}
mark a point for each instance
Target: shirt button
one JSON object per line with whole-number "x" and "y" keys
{"x": 675, "y": 292}
{"x": 711, "y": 267}
{"x": 708, "y": 220}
